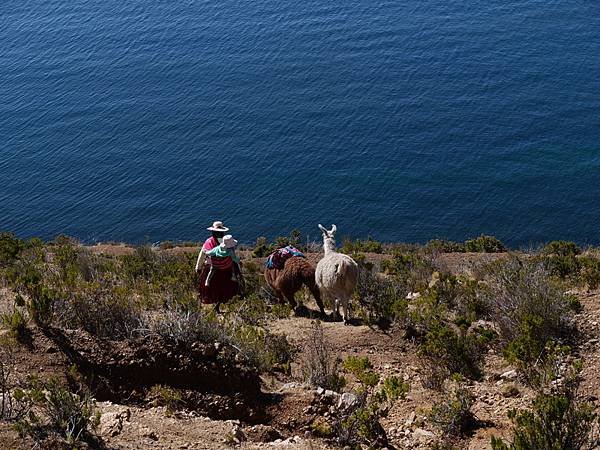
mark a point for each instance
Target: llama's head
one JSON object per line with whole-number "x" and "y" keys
{"x": 328, "y": 237}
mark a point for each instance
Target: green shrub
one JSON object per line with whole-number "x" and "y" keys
{"x": 254, "y": 281}
{"x": 166, "y": 245}
{"x": 573, "y": 303}
{"x": 443, "y": 246}
{"x": 382, "y": 300}
{"x": 10, "y": 248}
{"x": 410, "y": 270}
{"x": 561, "y": 248}
{"x": 174, "y": 280}
{"x": 362, "y": 369}
{"x": 141, "y": 264}
{"x": 261, "y": 349}
{"x": 452, "y": 415}
{"x": 320, "y": 366}
{"x": 294, "y": 239}
{"x": 27, "y": 278}
{"x": 529, "y": 308}
{"x": 10, "y": 409}
{"x": 590, "y": 271}
{"x": 16, "y": 323}
{"x": 262, "y": 248}
{"x": 166, "y": 396}
{"x": 360, "y": 425}
{"x": 446, "y": 351}
{"x": 53, "y": 410}
{"x": 459, "y": 294}
{"x": 484, "y": 244}
{"x": 100, "y": 309}
{"x": 560, "y": 258}
{"x": 365, "y": 246}
{"x": 556, "y": 422}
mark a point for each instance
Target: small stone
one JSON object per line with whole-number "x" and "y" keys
{"x": 320, "y": 391}
{"x": 238, "y": 433}
{"x": 423, "y": 435}
{"x": 509, "y": 375}
{"x": 510, "y": 390}
{"x": 411, "y": 419}
{"x": 347, "y": 400}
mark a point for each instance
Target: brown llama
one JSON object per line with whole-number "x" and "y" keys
{"x": 296, "y": 271}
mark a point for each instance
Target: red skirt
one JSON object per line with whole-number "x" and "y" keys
{"x": 222, "y": 286}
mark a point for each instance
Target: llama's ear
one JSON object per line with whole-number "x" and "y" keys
{"x": 333, "y": 230}
{"x": 322, "y": 228}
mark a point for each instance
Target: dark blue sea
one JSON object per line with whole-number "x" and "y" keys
{"x": 401, "y": 120}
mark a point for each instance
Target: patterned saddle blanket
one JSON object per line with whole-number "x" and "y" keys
{"x": 277, "y": 259}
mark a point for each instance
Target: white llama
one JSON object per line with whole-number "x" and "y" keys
{"x": 336, "y": 274}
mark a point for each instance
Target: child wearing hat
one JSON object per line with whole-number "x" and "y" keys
{"x": 224, "y": 249}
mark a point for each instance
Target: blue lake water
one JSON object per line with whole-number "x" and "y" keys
{"x": 402, "y": 120}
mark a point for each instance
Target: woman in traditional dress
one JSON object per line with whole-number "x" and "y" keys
{"x": 220, "y": 277}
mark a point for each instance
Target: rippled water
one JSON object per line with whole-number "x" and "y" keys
{"x": 400, "y": 120}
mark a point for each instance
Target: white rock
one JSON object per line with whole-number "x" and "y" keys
{"x": 509, "y": 375}
{"x": 330, "y": 393}
{"x": 111, "y": 423}
{"x": 347, "y": 400}
{"x": 423, "y": 435}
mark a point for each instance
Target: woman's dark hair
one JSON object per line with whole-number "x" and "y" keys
{"x": 218, "y": 234}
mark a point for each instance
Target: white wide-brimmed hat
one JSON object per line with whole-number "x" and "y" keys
{"x": 218, "y": 226}
{"x": 228, "y": 241}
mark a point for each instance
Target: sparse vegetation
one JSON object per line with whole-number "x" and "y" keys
{"x": 360, "y": 424}
{"x": 480, "y": 244}
{"x": 369, "y": 245}
{"x": 320, "y": 366}
{"x": 484, "y": 244}
{"x": 560, "y": 258}
{"x": 530, "y": 309}
{"x": 452, "y": 415}
{"x": 523, "y": 306}
{"x": 447, "y": 351}
{"x": 411, "y": 271}
{"x": 15, "y": 322}
{"x": 10, "y": 408}
{"x": 556, "y": 422}
{"x": 10, "y": 248}
{"x": 381, "y": 300}
{"x": 54, "y": 412}
{"x": 444, "y": 246}
{"x": 166, "y": 396}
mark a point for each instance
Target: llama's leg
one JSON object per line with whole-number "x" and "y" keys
{"x": 314, "y": 290}
{"x": 336, "y": 308}
{"x": 289, "y": 296}
{"x": 346, "y": 313}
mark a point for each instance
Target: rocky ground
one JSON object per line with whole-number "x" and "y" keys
{"x": 283, "y": 421}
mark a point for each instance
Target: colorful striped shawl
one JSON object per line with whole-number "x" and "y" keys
{"x": 217, "y": 262}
